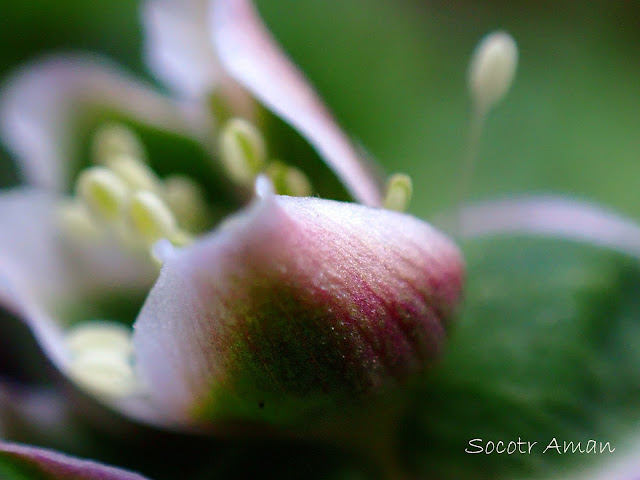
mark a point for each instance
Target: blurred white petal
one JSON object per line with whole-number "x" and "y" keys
{"x": 252, "y": 57}
{"x": 41, "y": 104}
{"x": 40, "y": 272}
{"x": 552, "y": 216}
{"x": 178, "y": 51}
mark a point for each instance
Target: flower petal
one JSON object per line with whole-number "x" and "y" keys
{"x": 252, "y": 57}
{"x": 41, "y": 102}
{"x": 177, "y": 49}
{"x": 296, "y": 301}
{"x": 40, "y": 272}
{"x": 552, "y": 216}
{"x": 179, "y": 53}
{"x": 20, "y": 461}
{"x": 44, "y": 276}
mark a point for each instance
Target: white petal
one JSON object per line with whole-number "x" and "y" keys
{"x": 252, "y": 57}
{"x": 178, "y": 51}
{"x": 177, "y": 46}
{"x": 40, "y": 272}
{"x": 41, "y": 102}
{"x": 552, "y": 216}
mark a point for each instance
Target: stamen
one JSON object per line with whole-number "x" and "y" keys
{"x": 289, "y": 180}
{"x": 77, "y": 221}
{"x": 399, "y": 192}
{"x": 137, "y": 175}
{"x": 187, "y": 201}
{"x": 151, "y": 218}
{"x": 99, "y": 335}
{"x": 115, "y": 140}
{"x": 103, "y": 192}
{"x": 101, "y": 359}
{"x": 492, "y": 69}
{"x": 242, "y": 150}
{"x": 491, "y": 73}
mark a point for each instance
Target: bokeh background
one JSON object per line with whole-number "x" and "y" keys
{"x": 394, "y": 73}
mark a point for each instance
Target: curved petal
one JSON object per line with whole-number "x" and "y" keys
{"x": 252, "y": 57}
{"x": 176, "y": 49}
{"x": 44, "y": 276}
{"x": 553, "y": 217}
{"x": 40, "y": 272}
{"x": 41, "y": 102}
{"x": 296, "y": 301}
{"x": 179, "y": 53}
{"x": 20, "y": 461}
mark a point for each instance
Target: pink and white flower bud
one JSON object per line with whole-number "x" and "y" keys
{"x": 297, "y": 303}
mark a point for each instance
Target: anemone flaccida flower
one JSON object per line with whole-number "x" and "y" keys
{"x": 293, "y": 313}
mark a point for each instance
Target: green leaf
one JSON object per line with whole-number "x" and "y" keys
{"x": 545, "y": 348}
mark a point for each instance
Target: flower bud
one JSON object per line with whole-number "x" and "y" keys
{"x": 297, "y": 305}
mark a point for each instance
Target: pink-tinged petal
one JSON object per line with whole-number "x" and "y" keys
{"x": 179, "y": 53}
{"x": 43, "y": 102}
{"x": 41, "y": 272}
{"x": 252, "y": 57}
{"x": 44, "y": 276}
{"x": 24, "y": 461}
{"x": 177, "y": 47}
{"x": 552, "y": 217}
{"x": 295, "y": 301}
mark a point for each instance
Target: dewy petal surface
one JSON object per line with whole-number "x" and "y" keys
{"x": 252, "y": 57}
{"x": 41, "y": 103}
{"x": 295, "y": 299}
{"x": 20, "y": 461}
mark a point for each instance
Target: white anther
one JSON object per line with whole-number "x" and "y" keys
{"x": 104, "y": 373}
{"x": 136, "y": 174}
{"x": 151, "y": 218}
{"x": 115, "y": 140}
{"x": 100, "y": 356}
{"x": 99, "y": 335}
{"x": 289, "y": 180}
{"x": 187, "y": 201}
{"x": 76, "y": 221}
{"x": 399, "y": 192}
{"x": 242, "y": 150}
{"x": 103, "y": 192}
{"x": 492, "y": 69}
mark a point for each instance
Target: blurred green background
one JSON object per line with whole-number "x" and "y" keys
{"x": 394, "y": 73}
